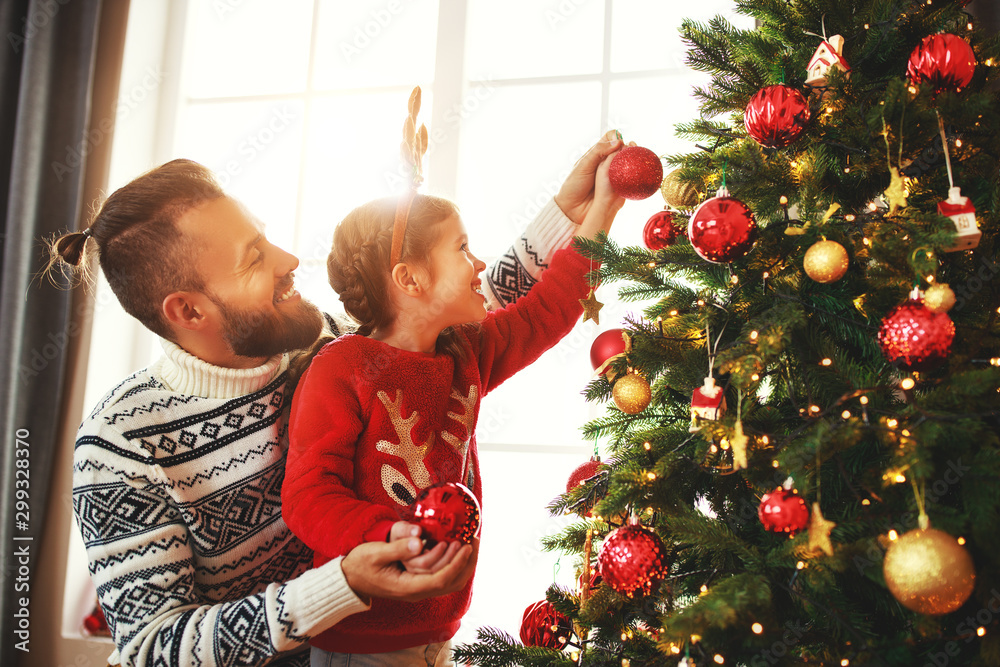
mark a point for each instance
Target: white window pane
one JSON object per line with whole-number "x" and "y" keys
{"x": 525, "y": 38}
{"x": 516, "y": 149}
{"x": 255, "y": 149}
{"x": 249, "y": 48}
{"x": 646, "y": 110}
{"x": 352, "y": 156}
{"x": 375, "y": 43}
{"x": 513, "y": 571}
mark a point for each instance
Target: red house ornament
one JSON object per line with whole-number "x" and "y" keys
{"x": 707, "y": 402}
{"x": 963, "y": 214}
{"x": 828, "y": 55}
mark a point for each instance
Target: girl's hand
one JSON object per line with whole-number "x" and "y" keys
{"x": 605, "y": 204}
{"x": 576, "y": 196}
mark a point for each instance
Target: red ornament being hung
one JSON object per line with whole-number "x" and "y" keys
{"x": 660, "y": 230}
{"x": 635, "y": 173}
{"x": 607, "y": 344}
{"x": 543, "y": 626}
{"x": 914, "y": 337}
{"x": 633, "y": 560}
{"x": 944, "y": 61}
{"x": 722, "y": 229}
{"x": 783, "y": 511}
{"x": 776, "y": 116}
{"x": 447, "y": 512}
{"x": 582, "y": 473}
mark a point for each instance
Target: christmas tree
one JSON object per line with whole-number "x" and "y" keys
{"x": 814, "y": 477}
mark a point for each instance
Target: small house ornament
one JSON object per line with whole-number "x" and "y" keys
{"x": 827, "y": 55}
{"x": 707, "y": 402}
{"x": 963, "y": 214}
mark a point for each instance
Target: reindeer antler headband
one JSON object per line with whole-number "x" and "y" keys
{"x": 412, "y": 150}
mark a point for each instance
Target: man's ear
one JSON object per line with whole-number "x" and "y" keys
{"x": 408, "y": 279}
{"x": 184, "y": 310}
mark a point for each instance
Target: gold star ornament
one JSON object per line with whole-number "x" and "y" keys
{"x": 819, "y": 532}
{"x": 896, "y": 192}
{"x": 591, "y": 308}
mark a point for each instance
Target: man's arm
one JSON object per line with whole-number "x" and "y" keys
{"x": 517, "y": 271}
{"x": 142, "y": 563}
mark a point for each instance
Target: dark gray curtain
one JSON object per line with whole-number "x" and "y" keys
{"x": 48, "y": 69}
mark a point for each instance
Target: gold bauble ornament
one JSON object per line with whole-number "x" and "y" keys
{"x": 631, "y": 393}
{"x": 929, "y": 572}
{"x": 678, "y": 193}
{"x": 939, "y": 298}
{"x": 826, "y": 261}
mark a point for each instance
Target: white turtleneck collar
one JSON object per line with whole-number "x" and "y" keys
{"x": 185, "y": 373}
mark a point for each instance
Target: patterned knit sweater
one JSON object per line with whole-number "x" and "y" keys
{"x": 176, "y": 490}
{"x": 373, "y": 425}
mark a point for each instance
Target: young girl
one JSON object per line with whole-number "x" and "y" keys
{"x": 384, "y": 413}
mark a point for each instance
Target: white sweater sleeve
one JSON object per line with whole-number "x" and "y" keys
{"x": 513, "y": 275}
{"x": 141, "y": 558}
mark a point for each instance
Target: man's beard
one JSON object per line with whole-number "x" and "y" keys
{"x": 251, "y": 333}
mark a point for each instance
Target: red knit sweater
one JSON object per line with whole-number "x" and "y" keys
{"x": 372, "y": 425}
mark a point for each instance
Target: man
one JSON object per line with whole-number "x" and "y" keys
{"x": 178, "y": 470}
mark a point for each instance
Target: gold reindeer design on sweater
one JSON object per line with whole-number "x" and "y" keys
{"x": 395, "y": 483}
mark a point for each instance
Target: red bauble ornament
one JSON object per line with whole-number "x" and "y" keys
{"x": 447, "y": 512}
{"x": 635, "y": 172}
{"x": 945, "y": 61}
{"x": 914, "y": 337}
{"x": 632, "y": 560}
{"x": 606, "y": 345}
{"x": 776, "y": 116}
{"x": 722, "y": 228}
{"x": 542, "y": 625}
{"x": 583, "y": 472}
{"x": 94, "y": 623}
{"x": 659, "y": 231}
{"x": 783, "y": 511}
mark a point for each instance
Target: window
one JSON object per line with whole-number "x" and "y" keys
{"x": 298, "y": 107}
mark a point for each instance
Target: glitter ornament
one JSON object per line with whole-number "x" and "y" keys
{"x": 633, "y": 560}
{"x": 678, "y": 193}
{"x": 722, "y": 229}
{"x": 939, "y": 298}
{"x": 631, "y": 393}
{"x": 825, "y": 261}
{"x": 944, "y": 61}
{"x": 607, "y": 344}
{"x": 447, "y": 512}
{"x": 582, "y": 473}
{"x": 783, "y": 511}
{"x": 776, "y": 116}
{"x": 543, "y": 626}
{"x": 635, "y": 172}
{"x": 659, "y": 231}
{"x": 914, "y": 337}
{"x": 929, "y": 572}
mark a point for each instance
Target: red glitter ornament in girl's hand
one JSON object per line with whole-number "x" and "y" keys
{"x": 783, "y": 511}
{"x": 543, "y": 626}
{"x": 776, "y": 116}
{"x": 447, "y": 512}
{"x": 635, "y": 172}
{"x": 945, "y": 61}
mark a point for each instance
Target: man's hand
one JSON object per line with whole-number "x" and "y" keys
{"x": 373, "y": 569}
{"x": 577, "y": 194}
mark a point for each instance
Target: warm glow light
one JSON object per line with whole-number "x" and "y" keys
{"x": 626, "y": 662}
{"x": 701, "y": 302}
{"x": 900, "y": 478}
{"x": 757, "y": 628}
{"x": 826, "y": 362}
{"x": 814, "y": 409}
{"x": 845, "y": 662}
{"x": 850, "y": 216}
{"x": 846, "y": 414}
{"x": 650, "y": 476}
{"x": 907, "y": 383}
{"x": 753, "y": 335}
{"x": 766, "y": 440}
{"x": 719, "y": 659}
{"x": 906, "y": 432}
{"x": 866, "y": 502}
{"x": 872, "y": 206}
{"x": 704, "y": 589}
{"x": 961, "y": 541}
{"x": 624, "y": 636}
{"x": 713, "y": 449}
{"x": 981, "y": 631}
{"x": 783, "y": 200}
{"x": 574, "y": 655}
{"x": 755, "y": 377}
{"x": 893, "y": 535}
{"x": 675, "y": 649}
{"x": 866, "y": 26}
{"x": 913, "y": 90}
{"x": 969, "y": 25}
{"x": 958, "y": 143}
{"x": 735, "y": 279}
{"x": 766, "y": 275}
{"x": 800, "y": 565}
{"x": 774, "y": 463}
{"x": 647, "y": 446}
{"x": 864, "y": 400}
{"x": 892, "y": 423}
{"x": 652, "y": 265}
{"x": 673, "y": 313}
